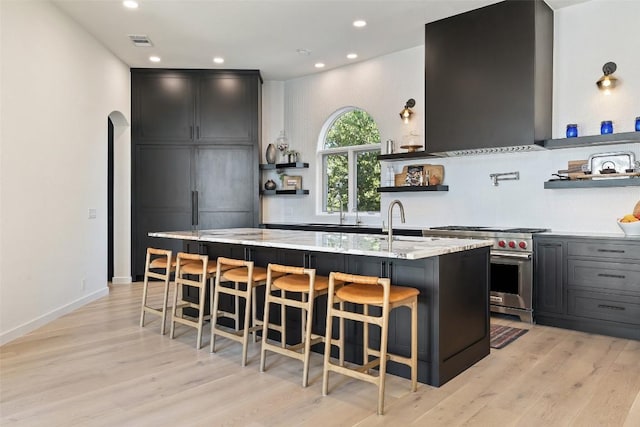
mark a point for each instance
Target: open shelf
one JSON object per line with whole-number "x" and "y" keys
{"x": 283, "y": 192}
{"x": 406, "y": 156}
{"x": 592, "y": 140}
{"x": 593, "y": 183}
{"x": 270, "y": 166}
{"x": 406, "y": 188}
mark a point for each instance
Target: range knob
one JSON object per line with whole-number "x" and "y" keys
{"x": 523, "y": 245}
{"x": 502, "y": 243}
{"x": 512, "y": 244}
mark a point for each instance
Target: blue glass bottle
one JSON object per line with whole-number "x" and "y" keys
{"x": 637, "y": 124}
{"x": 606, "y": 127}
{"x": 572, "y": 130}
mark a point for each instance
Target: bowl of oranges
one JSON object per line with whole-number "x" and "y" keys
{"x": 630, "y": 223}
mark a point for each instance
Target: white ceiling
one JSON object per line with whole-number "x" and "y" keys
{"x": 263, "y": 34}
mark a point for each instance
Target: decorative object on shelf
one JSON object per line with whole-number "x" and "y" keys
{"x": 292, "y": 156}
{"x": 606, "y": 127}
{"x": 391, "y": 176}
{"x": 390, "y": 144}
{"x": 638, "y": 124}
{"x": 406, "y": 112}
{"x": 572, "y": 130}
{"x": 270, "y": 185}
{"x": 607, "y": 81}
{"x": 411, "y": 142}
{"x": 282, "y": 143}
{"x": 409, "y": 176}
{"x": 292, "y": 182}
{"x": 271, "y": 154}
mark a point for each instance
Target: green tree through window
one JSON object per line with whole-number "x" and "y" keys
{"x": 352, "y": 171}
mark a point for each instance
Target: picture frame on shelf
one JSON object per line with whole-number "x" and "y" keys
{"x": 292, "y": 182}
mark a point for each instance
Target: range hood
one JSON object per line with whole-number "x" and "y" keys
{"x": 488, "y": 80}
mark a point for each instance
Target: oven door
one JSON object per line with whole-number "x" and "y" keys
{"x": 511, "y": 280}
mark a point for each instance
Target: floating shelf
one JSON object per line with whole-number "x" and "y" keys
{"x": 593, "y": 183}
{"x": 406, "y": 188}
{"x": 283, "y": 192}
{"x": 270, "y": 166}
{"x": 406, "y": 156}
{"x": 592, "y": 140}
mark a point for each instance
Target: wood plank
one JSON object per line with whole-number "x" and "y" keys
{"x": 96, "y": 366}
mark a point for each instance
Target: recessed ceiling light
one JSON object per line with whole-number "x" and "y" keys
{"x": 218, "y": 60}
{"x": 359, "y": 23}
{"x": 130, "y": 4}
{"x": 352, "y": 55}
{"x": 319, "y": 65}
{"x": 154, "y": 58}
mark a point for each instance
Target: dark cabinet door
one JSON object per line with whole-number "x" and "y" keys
{"x": 163, "y": 106}
{"x": 548, "y": 275}
{"x": 162, "y": 197}
{"x": 226, "y": 108}
{"x": 226, "y": 183}
{"x": 488, "y": 77}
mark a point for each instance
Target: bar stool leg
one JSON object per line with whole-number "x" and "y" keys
{"x": 201, "y": 316}
{"x": 145, "y": 288}
{"x": 307, "y": 325}
{"x": 327, "y": 343}
{"x": 414, "y": 345}
{"x": 247, "y": 319}
{"x": 215, "y": 299}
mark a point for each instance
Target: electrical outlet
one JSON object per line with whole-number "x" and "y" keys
{"x": 92, "y": 213}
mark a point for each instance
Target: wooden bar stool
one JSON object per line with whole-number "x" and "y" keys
{"x": 299, "y": 281}
{"x": 197, "y": 265}
{"x": 238, "y": 271}
{"x": 371, "y": 291}
{"x": 160, "y": 260}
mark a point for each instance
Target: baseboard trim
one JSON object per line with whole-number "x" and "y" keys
{"x": 34, "y": 324}
{"x": 123, "y": 280}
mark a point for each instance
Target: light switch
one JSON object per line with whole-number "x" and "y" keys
{"x": 92, "y": 213}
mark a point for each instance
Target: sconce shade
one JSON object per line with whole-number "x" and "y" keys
{"x": 406, "y": 112}
{"x": 607, "y": 81}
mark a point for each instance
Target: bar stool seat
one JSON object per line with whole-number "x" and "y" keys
{"x": 369, "y": 291}
{"x": 237, "y": 271}
{"x": 197, "y": 265}
{"x": 157, "y": 259}
{"x": 300, "y": 281}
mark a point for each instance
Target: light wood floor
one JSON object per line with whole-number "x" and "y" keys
{"x": 97, "y": 367}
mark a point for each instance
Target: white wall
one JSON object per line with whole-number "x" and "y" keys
{"x": 59, "y": 86}
{"x": 586, "y": 36}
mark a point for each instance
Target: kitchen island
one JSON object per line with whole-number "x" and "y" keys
{"x": 451, "y": 274}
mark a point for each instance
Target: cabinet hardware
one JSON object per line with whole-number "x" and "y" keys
{"x": 193, "y": 198}
{"x": 195, "y": 211}
{"x": 190, "y": 132}
{"x": 197, "y": 132}
{"x": 614, "y": 276}
{"x": 614, "y": 251}
{"x": 611, "y": 307}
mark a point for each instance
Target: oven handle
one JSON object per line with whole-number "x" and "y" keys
{"x": 510, "y": 255}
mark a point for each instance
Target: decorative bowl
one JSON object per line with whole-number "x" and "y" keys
{"x": 630, "y": 228}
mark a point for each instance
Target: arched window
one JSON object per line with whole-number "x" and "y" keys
{"x": 348, "y": 146}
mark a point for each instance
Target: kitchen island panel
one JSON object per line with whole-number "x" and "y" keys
{"x": 453, "y": 305}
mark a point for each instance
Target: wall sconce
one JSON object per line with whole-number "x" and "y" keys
{"x": 406, "y": 112}
{"x": 607, "y": 81}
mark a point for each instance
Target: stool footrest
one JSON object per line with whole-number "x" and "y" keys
{"x": 155, "y": 275}
{"x": 357, "y": 317}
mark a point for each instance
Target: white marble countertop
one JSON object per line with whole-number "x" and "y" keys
{"x": 405, "y": 247}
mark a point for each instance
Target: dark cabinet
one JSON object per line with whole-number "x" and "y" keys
{"x": 549, "y": 273}
{"x": 200, "y": 106}
{"x": 194, "y": 153}
{"x": 588, "y": 284}
{"x": 489, "y": 77}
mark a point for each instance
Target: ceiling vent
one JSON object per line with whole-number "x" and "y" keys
{"x": 140, "y": 40}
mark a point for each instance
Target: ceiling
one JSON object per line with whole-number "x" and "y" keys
{"x": 263, "y": 34}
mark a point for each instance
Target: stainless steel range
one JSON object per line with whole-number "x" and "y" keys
{"x": 511, "y": 265}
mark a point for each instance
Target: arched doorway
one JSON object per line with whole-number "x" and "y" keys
{"x": 118, "y": 199}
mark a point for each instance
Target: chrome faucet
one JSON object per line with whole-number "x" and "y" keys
{"x": 390, "y": 219}
{"x": 358, "y": 222}
{"x": 341, "y": 209}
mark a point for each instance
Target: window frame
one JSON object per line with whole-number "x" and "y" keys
{"x": 351, "y": 151}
